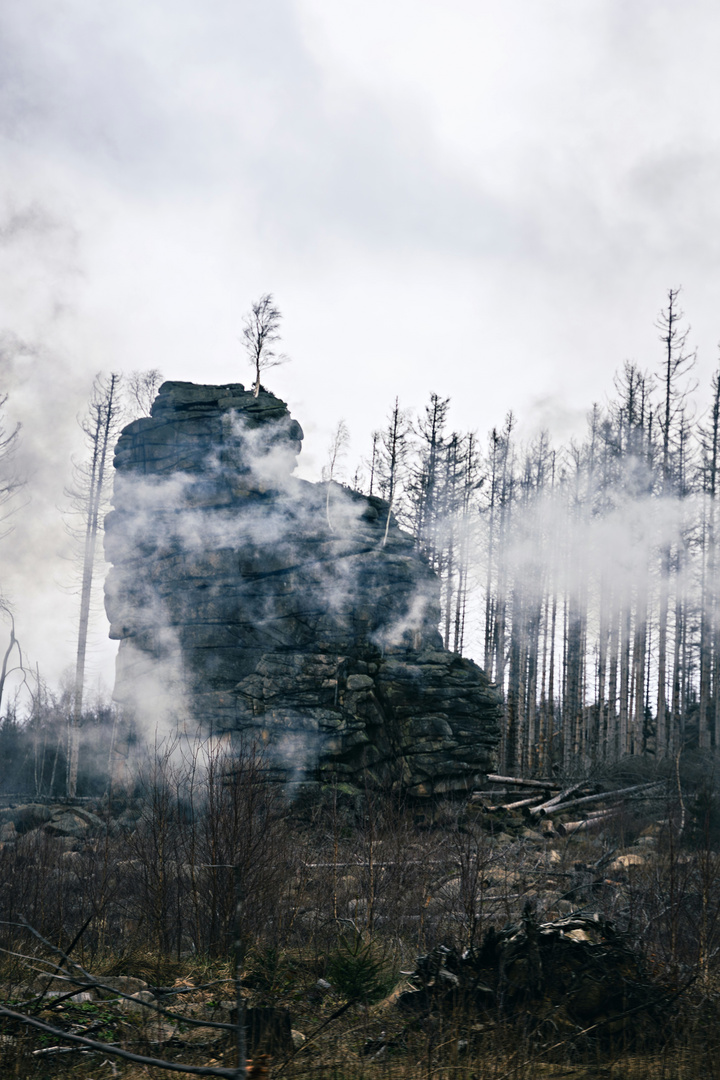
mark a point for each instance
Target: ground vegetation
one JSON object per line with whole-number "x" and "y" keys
{"x": 377, "y": 938}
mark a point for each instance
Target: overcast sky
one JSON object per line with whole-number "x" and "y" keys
{"x": 488, "y": 200}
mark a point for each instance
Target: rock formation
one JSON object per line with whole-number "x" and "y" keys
{"x": 249, "y": 601}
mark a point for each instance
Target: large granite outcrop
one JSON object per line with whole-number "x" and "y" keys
{"x": 247, "y": 600}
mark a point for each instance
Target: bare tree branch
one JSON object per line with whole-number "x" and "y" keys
{"x": 115, "y": 1051}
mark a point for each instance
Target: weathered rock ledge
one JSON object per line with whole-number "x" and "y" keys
{"x": 248, "y": 601}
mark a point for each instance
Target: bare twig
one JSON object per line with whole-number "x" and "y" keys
{"x": 115, "y": 1051}
{"x": 311, "y": 1038}
{"x": 90, "y": 982}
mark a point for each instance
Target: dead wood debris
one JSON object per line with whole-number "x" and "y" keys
{"x": 537, "y": 799}
{"x": 563, "y": 976}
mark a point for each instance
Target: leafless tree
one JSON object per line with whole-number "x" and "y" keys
{"x": 261, "y": 330}
{"x": 142, "y": 388}
{"x": 393, "y": 452}
{"x": 10, "y": 482}
{"x": 100, "y": 427}
{"x": 336, "y": 452}
{"x": 13, "y": 644}
{"x": 373, "y": 460}
{"x": 677, "y": 362}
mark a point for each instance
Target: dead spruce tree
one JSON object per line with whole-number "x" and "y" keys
{"x": 677, "y": 362}
{"x": 100, "y": 425}
{"x": 10, "y": 484}
{"x": 391, "y": 461}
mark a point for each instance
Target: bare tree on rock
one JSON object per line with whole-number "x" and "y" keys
{"x": 141, "y": 390}
{"x": 393, "y": 452}
{"x": 337, "y": 450}
{"x": 261, "y": 330}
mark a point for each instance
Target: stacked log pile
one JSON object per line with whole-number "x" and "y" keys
{"x": 563, "y": 810}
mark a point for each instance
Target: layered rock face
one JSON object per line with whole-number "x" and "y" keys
{"x": 248, "y": 601}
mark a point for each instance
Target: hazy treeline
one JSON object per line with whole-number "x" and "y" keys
{"x": 44, "y": 732}
{"x": 34, "y": 749}
{"x": 585, "y": 578}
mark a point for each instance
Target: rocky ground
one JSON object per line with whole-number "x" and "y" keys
{"x": 395, "y": 936}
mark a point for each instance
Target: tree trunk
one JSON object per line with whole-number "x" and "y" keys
{"x": 104, "y": 413}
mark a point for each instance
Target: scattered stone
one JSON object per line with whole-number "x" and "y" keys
{"x": 67, "y": 823}
{"x": 26, "y": 817}
{"x": 136, "y": 1002}
{"x": 124, "y": 984}
{"x": 81, "y": 997}
{"x": 531, "y": 835}
{"x": 624, "y": 862}
{"x": 158, "y": 1030}
{"x": 649, "y": 842}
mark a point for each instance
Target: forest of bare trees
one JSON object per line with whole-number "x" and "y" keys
{"x": 40, "y": 732}
{"x": 583, "y": 578}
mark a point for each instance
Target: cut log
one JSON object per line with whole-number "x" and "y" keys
{"x": 519, "y": 804}
{"x": 557, "y": 798}
{"x": 605, "y": 811}
{"x": 635, "y": 789}
{"x": 569, "y": 828}
{"x": 494, "y": 778}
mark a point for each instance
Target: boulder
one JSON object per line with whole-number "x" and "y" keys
{"x": 26, "y": 817}
{"x": 253, "y": 603}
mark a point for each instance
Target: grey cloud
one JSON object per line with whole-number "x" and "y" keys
{"x": 234, "y": 100}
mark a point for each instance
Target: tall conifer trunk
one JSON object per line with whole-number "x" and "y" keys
{"x": 104, "y": 410}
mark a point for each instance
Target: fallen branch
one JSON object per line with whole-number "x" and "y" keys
{"x": 89, "y": 982}
{"x": 61, "y": 1050}
{"x": 115, "y": 1051}
{"x": 311, "y": 1038}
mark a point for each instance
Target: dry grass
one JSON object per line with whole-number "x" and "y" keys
{"x": 157, "y": 902}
